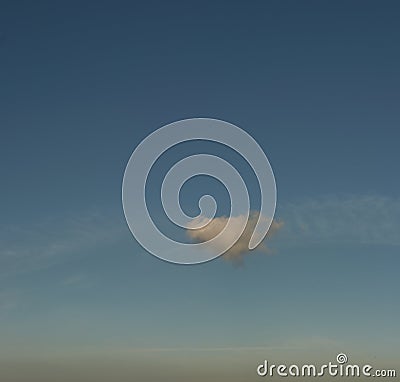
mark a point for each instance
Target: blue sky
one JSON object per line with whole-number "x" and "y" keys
{"x": 315, "y": 83}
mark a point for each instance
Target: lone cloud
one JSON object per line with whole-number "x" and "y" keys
{"x": 239, "y": 249}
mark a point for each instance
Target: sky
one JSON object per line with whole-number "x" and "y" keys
{"x": 316, "y": 83}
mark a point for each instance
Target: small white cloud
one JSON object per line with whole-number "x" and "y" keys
{"x": 241, "y": 247}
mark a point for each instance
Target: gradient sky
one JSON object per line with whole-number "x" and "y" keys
{"x": 316, "y": 83}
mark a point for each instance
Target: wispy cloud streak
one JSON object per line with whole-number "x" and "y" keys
{"x": 372, "y": 220}
{"x": 28, "y": 248}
